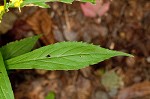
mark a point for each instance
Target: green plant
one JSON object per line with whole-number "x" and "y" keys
{"x": 51, "y": 95}
{"x": 59, "y": 56}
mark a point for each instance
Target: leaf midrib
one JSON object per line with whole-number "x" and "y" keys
{"x": 57, "y": 57}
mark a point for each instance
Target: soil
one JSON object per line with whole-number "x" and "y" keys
{"x": 125, "y": 27}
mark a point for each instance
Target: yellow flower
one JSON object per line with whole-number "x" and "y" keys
{"x": 17, "y": 3}
{"x": 1, "y": 9}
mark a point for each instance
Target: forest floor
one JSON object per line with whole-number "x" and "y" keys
{"x": 124, "y": 27}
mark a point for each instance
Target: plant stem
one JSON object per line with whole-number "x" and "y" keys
{"x": 5, "y": 4}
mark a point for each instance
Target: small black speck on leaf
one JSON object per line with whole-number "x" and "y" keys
{"x": 48, "y": 56}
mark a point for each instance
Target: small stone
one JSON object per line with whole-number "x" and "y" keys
{"x": 111, "y": 80}
{"x": 113, "y": 92}
{"x": 101, "y": 95}
{"x": 148, "y": 59}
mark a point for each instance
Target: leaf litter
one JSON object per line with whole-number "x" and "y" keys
{"x": 125, "y": 26}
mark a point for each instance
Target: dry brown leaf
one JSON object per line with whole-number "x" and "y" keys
{"x": 135, "y": 91}
{"x": 41, "y": 23}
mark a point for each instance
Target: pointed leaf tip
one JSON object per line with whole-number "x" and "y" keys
{"x": 17, "y": 48}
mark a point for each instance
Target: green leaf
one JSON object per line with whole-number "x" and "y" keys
{"x": 17, "y": 48}
{"x": 5, "y": 86}
{"x": 66, "y": 1}
{"x": 51, "y": 95}
{"x": 62, "y": 56}
{"x": 27, "y": 2}
{"x": 92, "y": 1}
